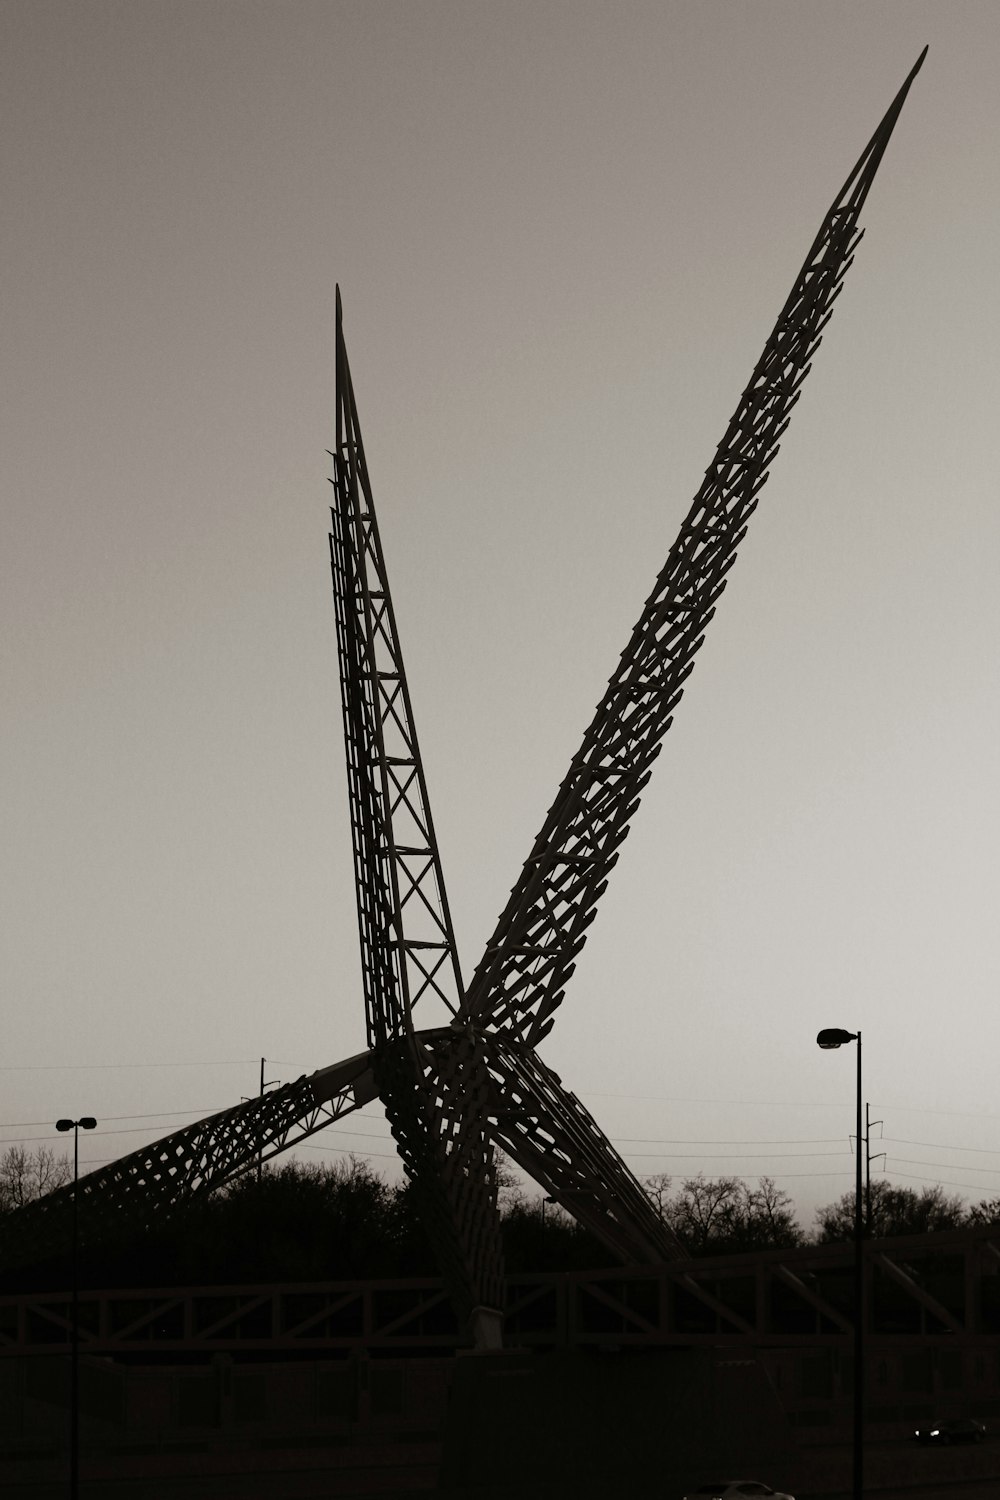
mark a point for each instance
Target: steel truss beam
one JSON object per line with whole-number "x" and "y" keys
{"x": 433, "y": 1098}
{"x": 551, "y": 1135}
{"x": 138, "y": 1191}
{"x": 522, "y": 975}
{"x": 408, "y": 946}
{"x": 921, "y": 1292}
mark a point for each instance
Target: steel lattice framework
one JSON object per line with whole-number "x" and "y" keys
{"x": 435, "y": 1094}
{"x": 455, "y": 1093}
{"x": 136, "y": 1191}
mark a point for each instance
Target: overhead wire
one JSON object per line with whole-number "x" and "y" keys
{"x": 159, "y": 1114}
{"x": 701, "y": 1099}
{"x": 929, "y": 1177}
{"x": 733, "y": 1155}
{"x": 939, "y": 1146}
{"x": 623, "y": 1141}
{"x": 954, "y": 1166}
{"x": 618, "y": 1140}
{"x": 229, "y": 1062}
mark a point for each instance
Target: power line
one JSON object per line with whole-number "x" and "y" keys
{"x": 650, "y": 1140}
{"x": 735, "y": 1155}
{"x": 943, "y": 1181}
{"x": 729, "y": 1140}
{"x": 920, "y": 1109}
{"x": 952, "y": 1165}
{"x": 130, "y": 1130}
{"x": 781, "y": 1176}
{"x": 700, "y": 1099}
{"x": 938, "y": 1146}
{"x": 625, "y": 1140}
{"x": 102, "y": 1161}
{"x": 345, "y": 1150}
{"x": 160, "y": 1114}
{"x": 238, "y": 1062}
{"x": 617, "y": 1140}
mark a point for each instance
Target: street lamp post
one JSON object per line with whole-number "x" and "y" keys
{"x": 829, "y": 1039}
{"x": 86, "y": 1122}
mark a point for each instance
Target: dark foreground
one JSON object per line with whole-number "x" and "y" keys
{"x": 511, "y": 1426}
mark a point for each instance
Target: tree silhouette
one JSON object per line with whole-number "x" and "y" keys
{"x": 894, "y": 1211}
{"x": 27, "y": 1175}
{"x": 724, "y": 1215}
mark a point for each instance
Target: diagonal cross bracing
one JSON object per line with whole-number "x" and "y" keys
{"x": 407, "y": 942}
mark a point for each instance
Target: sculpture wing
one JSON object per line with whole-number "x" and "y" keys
{"x": 521, "y": 978}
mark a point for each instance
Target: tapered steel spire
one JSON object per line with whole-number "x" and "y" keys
{"x": 435, "y": 1095}
{"x": 521, "y": 978}
{"x": 408, "y": 946}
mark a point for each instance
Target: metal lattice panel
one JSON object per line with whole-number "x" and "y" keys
{"x": 555, "y": 1139}
{"x": 138, "y": 1190}
{"x": 407, "y": 943}
{"x": 437, "y": 1096}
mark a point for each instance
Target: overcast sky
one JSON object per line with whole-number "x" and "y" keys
{"x": 563, "y": 232}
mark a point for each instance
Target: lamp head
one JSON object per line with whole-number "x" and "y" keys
{"x": 833, "y": 1036}
{"x": 64, "y": 1124}
{"x": 87, "y": 1122}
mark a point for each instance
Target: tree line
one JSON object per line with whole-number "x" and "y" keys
{"x": 722, "y": 1215}
{"x": 299, "y": 1221}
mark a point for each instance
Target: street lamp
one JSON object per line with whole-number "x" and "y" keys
{"x": 85, "y": 1122}
{"x": 831, "y": 1038}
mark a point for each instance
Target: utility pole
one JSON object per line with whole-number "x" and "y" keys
{"x": 247, "y": 1098}
{"x": 263, "y": 1086}
{"x": 868, "y": 1169}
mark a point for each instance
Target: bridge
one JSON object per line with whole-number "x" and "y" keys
{"x": 938, "y": 1292}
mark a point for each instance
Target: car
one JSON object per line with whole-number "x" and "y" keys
{"x": 734, "y": 1489}
{"x": 955, "y": 1430}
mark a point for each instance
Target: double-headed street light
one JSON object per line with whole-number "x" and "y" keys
{"x": 85, "y": 1122}
{"x": 829, "y": 1039}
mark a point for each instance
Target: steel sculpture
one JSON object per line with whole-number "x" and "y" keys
{"x": 455, "y": 1093}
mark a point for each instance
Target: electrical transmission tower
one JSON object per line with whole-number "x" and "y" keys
{"x": 455, "y": 1094}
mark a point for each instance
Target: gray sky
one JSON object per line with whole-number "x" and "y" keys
{"x": 563, "y": 233}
